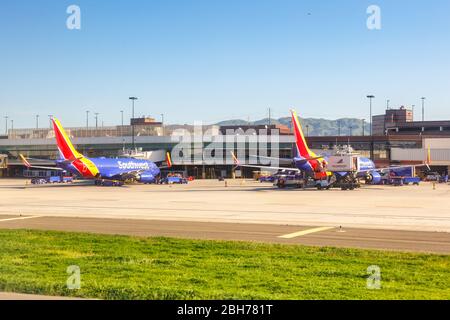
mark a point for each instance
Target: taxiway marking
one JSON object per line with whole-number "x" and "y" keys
{"x": 304, "y": 232}
{"x": 20, "y": 218}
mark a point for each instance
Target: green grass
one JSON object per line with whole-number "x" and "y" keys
{"x": 120, "y": 267}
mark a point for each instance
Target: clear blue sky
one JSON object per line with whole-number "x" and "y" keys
{"x": 214, "y": 59}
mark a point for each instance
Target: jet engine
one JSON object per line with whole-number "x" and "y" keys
{"x": 373, "y": 178}
{"x": 146, "y": 178}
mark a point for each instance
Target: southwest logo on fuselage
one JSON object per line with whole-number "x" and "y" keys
{"x": 133, "y": 165}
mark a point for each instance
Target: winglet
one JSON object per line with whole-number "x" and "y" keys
{"x": 235, "y": 159}
{"x": 428, "y": 162}
{"x": 24, "y": 161}
{"x": 168, "y": 160}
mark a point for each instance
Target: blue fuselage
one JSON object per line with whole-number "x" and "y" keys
{"x": 119, "y": 168}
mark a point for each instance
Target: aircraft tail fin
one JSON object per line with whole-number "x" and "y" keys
{"x": 300, "y": 141}
{"x": 168, "y": 160}
{"x": 65, "y": 146}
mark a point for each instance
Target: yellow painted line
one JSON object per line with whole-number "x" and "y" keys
{"x": 304, "y": 232}
{"x": 21, "y": 218}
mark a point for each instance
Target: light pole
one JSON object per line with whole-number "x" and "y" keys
{"x": 423, "y": 108}
{"x": 370, "y": 97}
{"x": 37, "y": 121}
{"x": 12, "y": 127}
{"x": 162, "y": 123}
{"x": 307, "y": 130}
{"x": 6, "y": 124}
{"x": 121, "y": 130}
{"x": 363, "y": 127}
{"x": 339, "y": 128}
{"x": 87, "y": 119}
{"x": 133, "y": 99}
{"x": 96, "y": 120}
{"x": 387, "y": 104}
{"x": 50, "y": 116}
{"x": 351, "y": 131}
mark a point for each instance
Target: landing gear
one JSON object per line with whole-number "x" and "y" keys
{"x": 108, "y": 183}
{"x": 347, "y": 182}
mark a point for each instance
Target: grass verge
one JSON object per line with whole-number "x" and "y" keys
{"x": 122, "y": 267}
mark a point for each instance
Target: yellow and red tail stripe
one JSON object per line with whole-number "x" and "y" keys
{"x": 84, "y": 166}
{"x": 300, "y": 141}
{"x": 302, "y": 146}
{"x": 168, "y": 160}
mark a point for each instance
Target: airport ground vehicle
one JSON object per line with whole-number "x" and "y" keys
{"x": 38, "y": 181}
{"x": 52, "y": 179}
{"x": 173, "y": 180}
{"x": 400, "y": 177}
{"x": 433, "y": 176}
{"x": 60, "y": 179}
{"x": 348, "y": 182}
{"x": 286, "y": 180}
{"x": 267, "y": 178}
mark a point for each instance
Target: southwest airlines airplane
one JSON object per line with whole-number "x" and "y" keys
{"x": 71, "y": 160}
{"x": 316, "y": 166}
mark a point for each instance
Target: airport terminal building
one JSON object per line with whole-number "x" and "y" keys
{"x": 392, "y": 148}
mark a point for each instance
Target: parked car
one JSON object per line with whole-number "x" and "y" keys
{"x": 433, "y": 176}
{"x": 173, "y": 180}
{"x": 38, "y": 181}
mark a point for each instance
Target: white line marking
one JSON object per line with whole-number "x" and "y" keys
{"x": 21, "y": 218}
{"x": 304, "y": 232}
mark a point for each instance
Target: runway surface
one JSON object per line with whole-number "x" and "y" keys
{"x": 432, "y": 242}
{"x": 415, "y": 218}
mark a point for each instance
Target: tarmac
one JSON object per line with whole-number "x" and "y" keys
{"x": 21, "y": 296}
{"x": 410, "y": 218}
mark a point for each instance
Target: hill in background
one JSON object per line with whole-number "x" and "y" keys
{"x": 317, "y": 127}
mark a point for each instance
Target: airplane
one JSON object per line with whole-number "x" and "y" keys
{"x": 102, "y": 168}
{"x": 315, "y": 166}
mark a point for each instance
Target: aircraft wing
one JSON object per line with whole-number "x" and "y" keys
{"x": 125, "y": 175}
{"x": 238, "y": 164}
{"x": 29, "y": 165}
{"x": 396, "y": 167}
{"x": 288, "y": 160}
{"x": 282, "y": 160}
